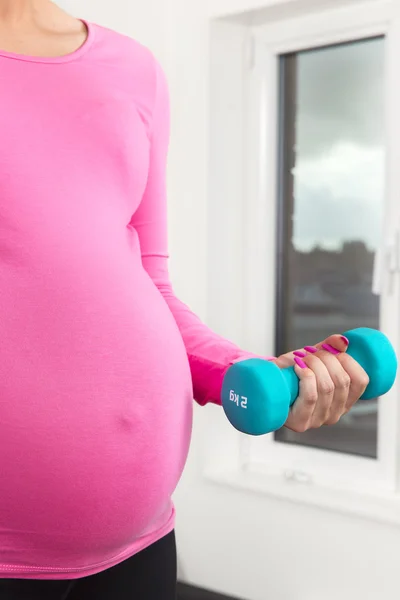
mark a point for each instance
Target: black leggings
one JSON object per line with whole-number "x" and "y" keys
{"x": 149, "y": 575}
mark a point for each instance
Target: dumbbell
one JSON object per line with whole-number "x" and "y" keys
{"x": 257, "y": 395}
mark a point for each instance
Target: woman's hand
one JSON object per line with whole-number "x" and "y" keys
{"x": 331, "y": 382}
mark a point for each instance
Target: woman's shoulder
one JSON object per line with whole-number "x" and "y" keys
{"x": 122, "y": 48}
{"x": 131, "y": 66}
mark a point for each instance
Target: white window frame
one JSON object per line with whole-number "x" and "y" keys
{"x": 322, "y": 476}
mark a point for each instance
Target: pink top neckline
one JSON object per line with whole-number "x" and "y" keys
{"x": 55, "y": 59}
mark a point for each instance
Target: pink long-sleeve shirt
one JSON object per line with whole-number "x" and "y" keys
{"x": 99, "y": 360}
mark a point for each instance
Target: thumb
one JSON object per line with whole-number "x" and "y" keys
{"x": 337, "y": 343}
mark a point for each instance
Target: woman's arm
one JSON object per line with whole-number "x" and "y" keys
{"x": 209, "y": 354}
{"x": 330, "y": 380}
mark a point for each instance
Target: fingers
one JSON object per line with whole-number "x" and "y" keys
{"x": 331, "y": 382}
{"x": 287, "y": 360}
{"x": 326, "y": 391}
{"x": 323, "y": 392}
{"x": 359, "y": 379}
{"x": 302, "y": 410}
{"x": 338, "y": 343}
{"x": 331, "y": 377}
{"x": 335, "y": 344}
{"x": 352, "y": 378}
{"x": 333, "y": 385}
{"x": 317, "y": 391}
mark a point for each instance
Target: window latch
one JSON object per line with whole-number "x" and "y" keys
{"x": 387, "y": 266}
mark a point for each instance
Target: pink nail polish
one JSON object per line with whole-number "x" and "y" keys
{"x": 330, "y": 349}
{"x": 345, "y": 340}
{"x": 300, "y": 354}
{"x": 300, "y": 363}
{"x": 311, "y": 349}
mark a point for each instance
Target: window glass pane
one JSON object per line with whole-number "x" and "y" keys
{"x": 330, "y": 211}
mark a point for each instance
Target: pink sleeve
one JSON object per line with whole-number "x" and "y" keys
{"x": 209, "y": 354}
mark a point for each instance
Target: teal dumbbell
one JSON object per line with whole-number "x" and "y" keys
{"x": 257, "y": 395}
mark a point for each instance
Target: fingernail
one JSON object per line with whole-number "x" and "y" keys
{"x": 345, "y": 340}
{"x": 300, "y": 363}
{"x": 311, "y": 349}
{"x": 330, "y": 349}
{"x": 300, "y": 354}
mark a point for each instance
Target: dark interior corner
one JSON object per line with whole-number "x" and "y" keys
{"x": 188, "y": 592}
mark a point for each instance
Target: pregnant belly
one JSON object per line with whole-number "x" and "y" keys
{"x": 95, "y": 414}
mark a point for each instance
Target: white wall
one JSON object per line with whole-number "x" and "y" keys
{"x": 238, "y": 543}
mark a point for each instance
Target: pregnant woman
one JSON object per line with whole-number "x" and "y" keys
{"x": 99, "y": 360}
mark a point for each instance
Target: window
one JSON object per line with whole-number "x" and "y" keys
{"x": 322, "y": 180}
{"x": 330, "y": 211}
{"x": 304, "y": 155}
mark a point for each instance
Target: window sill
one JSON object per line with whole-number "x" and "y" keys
{"x": 382, "y": 507}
